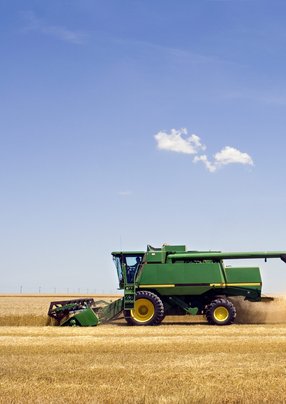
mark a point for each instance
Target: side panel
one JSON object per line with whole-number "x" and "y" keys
{"x": 248, "y": 277}
{"x": 181, "y": 278}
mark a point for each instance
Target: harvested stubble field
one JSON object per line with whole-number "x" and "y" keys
{"x": 175, "y": 362}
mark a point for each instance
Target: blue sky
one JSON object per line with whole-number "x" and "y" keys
{"x": 85, "y": 88}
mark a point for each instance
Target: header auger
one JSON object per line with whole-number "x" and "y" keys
{"x": 170, "y": 281}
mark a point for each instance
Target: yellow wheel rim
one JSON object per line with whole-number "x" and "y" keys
{"x": 143, "y": 311}
{"x": 221, "y": 314}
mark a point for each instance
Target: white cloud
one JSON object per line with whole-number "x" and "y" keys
{"x": 125, "y": 193}
{"x": 33, "y": 23}
{"x": 177, "y": 141}
{"x": 230, "y": 155}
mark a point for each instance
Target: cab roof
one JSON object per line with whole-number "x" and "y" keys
{"x": 127, "y": 253}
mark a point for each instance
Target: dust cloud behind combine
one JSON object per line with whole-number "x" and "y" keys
{"x": 272, "y": 312}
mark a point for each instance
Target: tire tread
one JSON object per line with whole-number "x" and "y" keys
{"x": 158, "y": 305}
{"x": 220, "y": 302}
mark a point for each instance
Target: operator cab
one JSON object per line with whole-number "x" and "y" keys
{"x": 128, "y": 262}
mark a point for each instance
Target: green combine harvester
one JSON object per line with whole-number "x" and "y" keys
{"x": 170, "y": 281}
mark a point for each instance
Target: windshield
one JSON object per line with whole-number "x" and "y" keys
{"x": 129, "y": 264}
{"x": 132, "y": 265}
{"x": 118, "y": 267}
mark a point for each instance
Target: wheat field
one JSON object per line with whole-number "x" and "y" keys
{"x": 177, "y": 362}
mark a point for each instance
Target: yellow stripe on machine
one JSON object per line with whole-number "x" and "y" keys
{"x": 156, "y": 286}
{"x": 245, "y": 284}
{"x": 223, "y": 285}
{"x": 218, "y": 285}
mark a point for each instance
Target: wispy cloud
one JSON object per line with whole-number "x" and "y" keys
{"x": 175, "y": 54}
{"x": 34, "y": 23}
{"x": 268, "y": 98}
{"x": 178, "y": 141}
{"x": 125, "y": 193}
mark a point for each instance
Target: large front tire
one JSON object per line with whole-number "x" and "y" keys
{"x": 148, "y": 310}
{"x": 220, "y": 312}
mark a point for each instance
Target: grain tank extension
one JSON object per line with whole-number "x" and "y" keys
{"x": 171, "y": 281}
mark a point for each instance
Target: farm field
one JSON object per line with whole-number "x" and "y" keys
{"x": 179, "y": 361}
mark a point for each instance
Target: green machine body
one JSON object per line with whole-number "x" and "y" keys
{"x": 173, "y": 281}
{"x": 170, "y": 281}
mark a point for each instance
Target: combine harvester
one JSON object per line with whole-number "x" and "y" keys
{"x": 170, "y": 281}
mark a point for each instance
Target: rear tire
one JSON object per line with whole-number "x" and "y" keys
{"x": 220, "y": 312}
{"x": 148, "y": 310}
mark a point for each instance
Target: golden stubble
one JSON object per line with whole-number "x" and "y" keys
{"x": 183, "y": 360}
{"x": 165, "y": 364}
